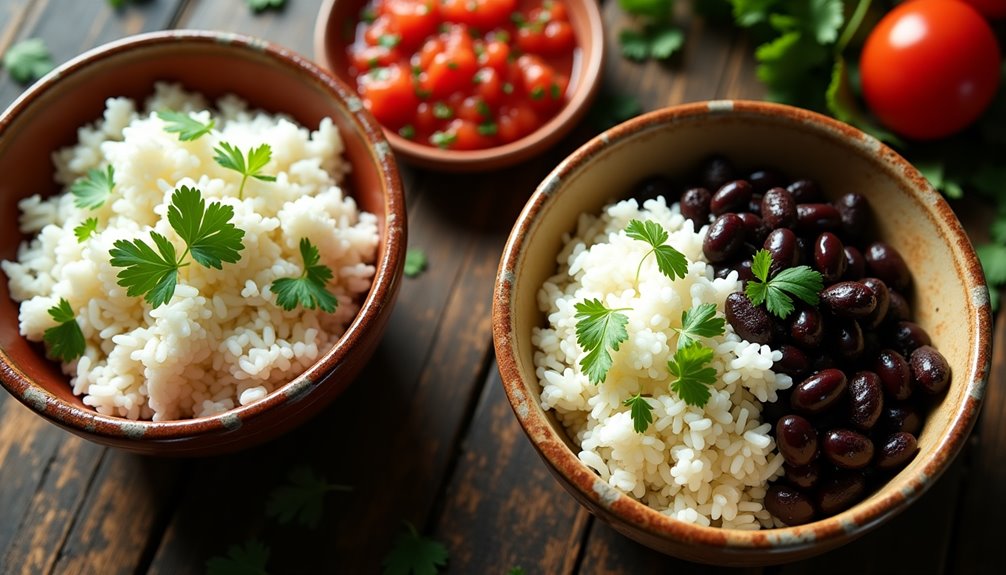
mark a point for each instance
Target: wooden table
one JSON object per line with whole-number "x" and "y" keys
{"x": 444, "y": 452}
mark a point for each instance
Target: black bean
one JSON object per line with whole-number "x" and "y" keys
{"x": 789, "y": 505}
{"x": 806, "y": 327}
{"x": 894, "y": 374}
{"x": 829, "y": 257}
{"x": 930, "y": 370}
{"x": 805, "y": 191}
{"x": 847, "y": 449}
{"x": 866, "y": 400}
{"x": 803, "y": 477}
{"x": 724, "y": 237}
{"x": 732, "y": 196}
{"x": 749, "y": 321}
{"x": 840, "y": 492}
{"x": 896, "y": 451}
{"x": 879, "y": 313}
{"x": 797, "y": 440}
{"x": 855, "y": 264}
{"x": 782, "y": 246}
{"x": 855, "y": 212}
{"x": 755, "y": 231}
{"x": 898, "y": 310}
{"x": 765, "y": 179}
{"x": 715, "y": 171}
{"x": 754, "y": 206}
{"x": 849, "y": 299}
{"x": 848, "y": 339}
{"x": 819, "y": 391}
{"x": 908, "y": 336}
{"x": 695, "y": 205}
{"x": 778, "y": 209}
{"x": 812, "y": 219}
{"x": 901, "y": 417}
{"x": 793, "y": 363}
{"x": 654, "y": 186}
{"x": 884, "y": 262}
{"x": 741, "y": 266}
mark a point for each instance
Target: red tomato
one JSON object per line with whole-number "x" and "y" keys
{"x": 495, "y": 54}
{"x": 471, "y": 136}
{"x": 389, "y": 95}
{"x": 930, "y": 68}
{"x": 411, "y": 20}
{"x": 489, "y": 86}
{"x": 540, "y": 82}
{"x": 366, "y": 57}
{"x": 558, "y": 38}
{"x": 483, "y": 14}
{"x": 452, "y": 69}
{"x": 990, "y": 8}
{"x": 516, "y": 122}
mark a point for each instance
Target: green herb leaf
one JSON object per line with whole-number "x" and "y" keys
{"x": 230, "y": 157}
{"x": 842, "y": 103}
{"x": 28, "y": 60}
{"x": 260, "y": 5}
{"x": 665, "y": 41}
{"x": 693, "y": 378}
{"x": 487, "y": 129}
{"x": 85, "y": 229}
{"x": 415, "y": 262}
{"x": 823, "y": 19}
{"x": 208, "y": 232}
{"x": 389, "y": 40}
{"x": 150, "y": 273}
{"x": 92, "y": 190}
{"x": 598, "y": 329}
{"x": 641, "y": 412}
{"x": 516, "y": 571}
{"x": 699, "y": 321}
{"x": 442, "y": 111}
{"x": 414, "y": 554}
{"x": 801, "y": 282}
{"x": 249, "y": 558}
{"x": 658, "y": 10}
{"x": 407, "y": 131}
{"x": 308, "y": 290}
{"x": 64, "y": 341}
{"x": 670, "y": 261}
{"x": 187, "y": 127}
{"x": 443, "y": 139}
{"x": 634, "y": 44}
{"x": 302, "y": 499}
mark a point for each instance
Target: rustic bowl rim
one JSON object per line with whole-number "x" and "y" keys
{"x": 548, "y": 134}
{"x": 388, "y": 269}
{"x": 856, "y": 520}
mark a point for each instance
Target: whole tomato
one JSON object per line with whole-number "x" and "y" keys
{"x": 930, "y": 68}
{"x": 990, "y": 8}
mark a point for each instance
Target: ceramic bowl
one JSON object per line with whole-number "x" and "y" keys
{"x": 46, "y": 117}
{"x": 950, "y": 299}
{"x": 335, "y": 29}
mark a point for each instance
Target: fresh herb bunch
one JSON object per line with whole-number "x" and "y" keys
{"x": 800, "y": 281}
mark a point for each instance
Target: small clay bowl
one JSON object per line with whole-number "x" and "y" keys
{"x": 46, "y": 117}
{"x": 334, "y": 30}
{"x": 950, "y": 299}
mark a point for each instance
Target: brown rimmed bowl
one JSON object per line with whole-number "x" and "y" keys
{"x": 950, "y": 299}
{"x": 46, "y": 117}
{"x": 334, "y": 31}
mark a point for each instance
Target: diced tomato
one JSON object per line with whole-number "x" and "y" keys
{"x": 451, "y": 70}
{"x": 389, "y": 95}
{"x": 366, "y": 57}
{"x": 483, "y": 14}
{"x": 516, "y": 121}
{"x": 471, "y": 135}
{"x": 531, "y": 39}
{"x": 412, "y": 20}
{"x": 559, "y": 38}
{"x": 475, "y": 109}
{"x": 379, "y": 28}
{"x": 495, "y": 55}
{"x": 424, "y": 121}
{"x": 556, "y": 10}
{"x": 489, "y": 86}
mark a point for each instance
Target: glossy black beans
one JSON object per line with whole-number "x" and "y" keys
{"x": 804, "y": 477}
{"x": 793, "y": 363}
{"x": 898, "y": 310}
{"x": 819, "y": 391}
{"x": 652, "y": 187}
{"x": 732, "y": 196}
{"x": 750, "y": 322}
{"x": 894, "y": 374}
{"x": 840, "y": 492}
{"x": 804, "y": 191}
{"x": 896, "y": 451}
{"x": 849, "y": 299}
{"x": 848, "y": 339}
{"x": 754, "y": 206}
{"x": 903, "y": 417}
{"x": 866, "y": 400}
{"x": 812, "y": 219}
{"x": 715, "y": 171}
{"x": 742, "y": 267}
{"x": 879, "y": 313}
{"x": 797, "y": 440}
{"x": 855, "y": 263}
{"x": 790, "y": 505}
{"x": 765, "y": 179}
{"x": 724, "y": 238}
{"x": 778, "y": 209}
{"x": 782, "y": 246}
{"x": 755, "y": 231}
{"x": 847, "y": 449}
{"x": 695, "y": 205}
{"x": 854, "y": 210}
{"x": 907, "y": 336}
{"x": 930, "y": 371}
{"x": 806, "y": 327}
{"x": 829, "y": 256}
{"x": 884, "y": 262}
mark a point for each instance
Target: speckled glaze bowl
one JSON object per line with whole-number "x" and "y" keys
{"x": 950, "y": 299}
{"x": 335, "y": 28}
{"x": 46, "y": 117}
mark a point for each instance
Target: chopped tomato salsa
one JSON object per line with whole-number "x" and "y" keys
{"x": 463, "y": 74}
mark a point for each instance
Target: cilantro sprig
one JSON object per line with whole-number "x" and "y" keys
{"x": 209, "y": 235}
{"x": 187, "y": 127}
{"x": 800, "y": 281}
{"x": 249, "y": 558}
{"x": 86, "y": 229}
{"x": 308, "y": 289}
{"x": 670, "y": 261}
{"x": 302, "y": 498}
{"x": 65, "y": 340}
{"x": 599, "y": 329}
{"x": 640, "y": 411}
{"x": 415, "y": 262}
{"x": 92, "y": 190}
{"x": 654, "y": 36}
{"x": 28, "y": 60}
{"x": 693, "y": 376}
{"x": 699, "y": 321}
{"x": 414, "y": 554}
{"x": 231, "y": 157}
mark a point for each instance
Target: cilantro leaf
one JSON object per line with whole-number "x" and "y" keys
{"x": 693, "y": 377}
{"x": 92, "y": 190}
{"x": 187, "y": 127}
{"x": 655, "y": 9}
{"x": 260, "y": 5}
{"x": 658, "y": 41}
{"x": 842, "y": 103}
{"x": 28, "y": 60}
{"x": 230, "y": 157}
{"x": 787, "y": 65}
{"x": 307, "y": 290}
{"x": 665, "y": 41}
{"x": 634, "y": 44}
{"x": 85, "y": 229}
{"x": 641, "y": 412}
{"x": 414, "y": 554}
{"x": 303, "y": 498}
{"x": 700, "y": 321}
{"x": 207, "y": 231}
{"x": 670, "y": 261}
{"x": 250, "y": 558}
{"x": 154, "y": 274}
{"x": 747, "y": 13}
{"x": 801, "y": 282}
{"x": 516, "y": 571}
{"x": 65, "y": 341}
{"x": 821, "y": 18}
{"x": 415, "y": 262}
{"x": 597, "y": 329}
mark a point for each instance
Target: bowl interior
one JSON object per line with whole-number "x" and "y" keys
{"x": 948, "y": 298}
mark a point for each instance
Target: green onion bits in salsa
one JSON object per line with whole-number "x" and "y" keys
{"x": 463, "y": 74}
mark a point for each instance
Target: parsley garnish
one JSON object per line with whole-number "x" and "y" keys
{"x": 407, "y": 131}
{"x": 555, "y": 91}
{"x": 487, "y": 129}
{"x": 670, "y": 261}
{"x": 800, "y": 281}
{"x": 85, "y": 229}
{"x": 700, "y": 321}
{"x": 443, "y": 139}
{"x": 693, "y": 378}
{"x": 92, "y": 190}
{"x": 537, "y": 93}
{"x": 187, "y": 127}
{"x": 597, "y": 329}
{"x": 66, "y": 340}
{"x": 413, "y": 553}
{"x": 507, "y": 88}
{"x": 641, "y": 412}
{"x": 389, "y": 40}
{"x": 231, "y": 158}
{"x": 303, "y": 498}
{"x": 516, "y": 571}
{"x": 415, "y": 262}
{"x": 28, "y": 60}
{"x": 307, "y": 290}
{"x": 248, "y": 558}
{"x": 659, "y": 42}
{"x": 260, "y": 5}
{"x": 209, "y": 237}
{"x": 442, "y": 111}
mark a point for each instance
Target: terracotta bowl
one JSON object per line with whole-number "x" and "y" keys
{"x": 334, "y": 31}
{"x": 950, "y": 299}
{"x": 46, "y": 118}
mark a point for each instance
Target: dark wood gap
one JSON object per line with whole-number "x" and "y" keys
{"x": 581, "y": 552}
{"x": 76, "y": 515}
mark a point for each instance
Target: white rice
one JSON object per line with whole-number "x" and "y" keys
{"x": 708, "y": 465}
{"x": 221, "y": 341}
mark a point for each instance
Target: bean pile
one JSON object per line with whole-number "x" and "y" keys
{"x": 864, "y": 373}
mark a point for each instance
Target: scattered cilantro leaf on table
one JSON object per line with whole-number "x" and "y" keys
{"x": 659, "y": 42}
{"x": 92, "y": 190}
{"x": 181, "y": 123}
{"x": 64, "y": 341}
{"x": 516, "y": 571}
{"x": 699, "y": 321}
{"x": 598, "y": 329}
{"x": 414, "y": 554}
{"x": 670, "y": 261}
{"x": 260, "y": 5}
{"x": 302, "y": 499}
{"x": 641, "y": 412}
{"x": 232, "y": 158}
{"x": 800, "y": 281}
{"x": 693, "y": 377}
{"x": 307, "y": 290}
{"x": 415, "y": 262}
{"x": 249, "y": 558}
{"x": 85, "y": 229}
{"x": 654, "y": 9}
{"x": 28, "y": 60}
